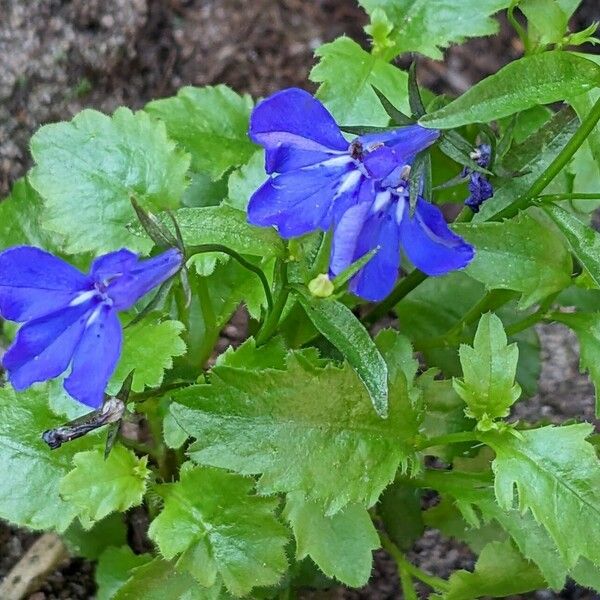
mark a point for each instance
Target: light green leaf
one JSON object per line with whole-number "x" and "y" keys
{"x": 300, "y": 429}
{"x": 500, "y": 571}
{"x": 489, "y": 367}
{"x": 97, "y": 486}
{"x": 159, "y": 580}
{"x": 537, "y": 79}
{"x": 91, "y": 543}
{"x": 30, "y": 496}
{"x": 339, "y": 325}
{"x": 20, "y": 219}
{"x": 587, "y": 328}
{"x": 211, "y": 123}
{"x": 514, "y": 255}
{"x": 149, "y": 347}
{"x": 532, "y": 158}
{"x": 548, "y": 20}
{"x": 341, "y": 545}
{"x": 271, "y": 355}
{"x": 428, "y": 27}
{"x": 583, "y": 240}
{"x": 114, "y": 569}
{"x": 229, "y": 227}
{"x": 556, "y": 474}
{"x": 243, "y": 182}
{"x": 347, "y": 75}
{"x": 210, "y": 518}
{"x": 88, "y": 169}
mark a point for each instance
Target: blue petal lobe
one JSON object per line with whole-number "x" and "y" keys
{"x": 95, "y": 357}
{"x": 141, "y": 277}
{"x": 44, "y": 347}
{"x": 34, "y": 283}
{"x": 376, "y": 279}
{"x": 301, "y": 201}
{"x": 430, "y": 244}
{"x": 113, "y": 264}
{"x": 295, "y": 129}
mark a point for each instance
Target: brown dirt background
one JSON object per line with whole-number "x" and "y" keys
{"x": 60, "y": 56}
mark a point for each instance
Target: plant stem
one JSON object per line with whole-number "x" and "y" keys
{"x": 202, "y": 248}
{"x": 270, "y": 325}
{"x": 436, "y": 583}
{"x": 407, "y": 284}
{"x": 449, "y": 438}
{"x": 555, "y": 167}
{"x": 547, "y": 198}
{"x": 491, "y": 301}
{"x": 539, "y": 315}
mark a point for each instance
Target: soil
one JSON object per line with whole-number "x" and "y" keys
{"x": 60, "y": 56}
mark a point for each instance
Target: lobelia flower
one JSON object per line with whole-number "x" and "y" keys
{"x": 480, "y": 189}
{"x": 71, "y": 318}
{"x": 320, "y": 180}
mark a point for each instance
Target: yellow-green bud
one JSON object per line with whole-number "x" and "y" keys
{"x": 321, "y": 286}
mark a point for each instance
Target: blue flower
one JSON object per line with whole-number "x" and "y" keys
{"x": 320, "y": 180}
{"x": 386, "y": 224}
{"x": 70, "y": 319}
{"x": 480, "y": 189}
{"x": 315, "y": 172}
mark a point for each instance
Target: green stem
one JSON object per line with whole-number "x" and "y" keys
{"x": 449, "y": 438}
{"x": 406, "y": 581}
{"x": 539, "y": 315}
{"x": 510, "y": 13}
{"x": 555, "y": 167}
{"x": 547, "y": 198}
{"x": 270, "y": 325}
{"x": 407, "y": 284}
{"x": 491, "y": 301}
{"x": 202, "y": 248}
{"x": 436, "y": 583}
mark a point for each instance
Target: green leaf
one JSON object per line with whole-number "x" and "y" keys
{"x": 30, "y": 497}
{"x": 211, "y": 123}
{"x": 532, "y": 157}
{"x": 221, "y": 530}
{"x": 158, "y": 580}
{"x": 229, "y": 227}
{"x": 500, "y": 571}
{"x": 587, "y": 328}
{"x": 91, "y": 543}
{"x": 341, "y": 545}
{"x": 489, "y": 367}
{"x": 428, "y": 27}
{"x": 513, "y": 255}
{"x": 20, "y": 219}
{"x": 526, "y": 82}
{"x": 400, "y": 511}
{"x": 339, "y": 325}
{"x": 148, "y": 348}
{"x": 243, "y": 182}
{"x": 548, "y": 20}
{"x": 114, "y": 569}
{"x": 556, "y": 474}
{"x": 97, "y": 486}
{"x": 347, "y": 75}
{"x": 583, "y": 240}
{"x": 270, "y": 355}
{"x": 88, "y": 169}
{"x": 299, "y": 428}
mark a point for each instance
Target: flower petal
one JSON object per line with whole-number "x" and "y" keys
{"x": 296, "y": 130}
{"x": 377, "y": 278}
{"x": 95, "y": 357}
{"x": 390, "y": 151}
{"x": 142, "y": 277}
{"x": 34, "y": 283}
{"x": 113, "y": 264}
{"x": 44, "y": 347}
{"x": 301, "y": 201}
{"x": 430, "y": 244}
{"x": 349, "y": 219}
